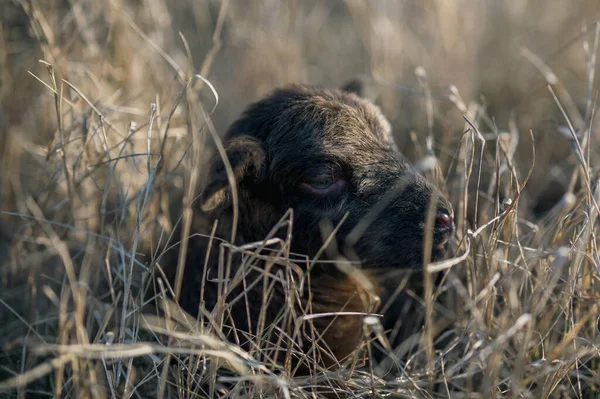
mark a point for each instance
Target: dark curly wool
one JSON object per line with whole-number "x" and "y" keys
{"x": 328, "y": 155}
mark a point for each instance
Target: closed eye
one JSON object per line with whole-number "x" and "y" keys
{"x": 325, "y": 181}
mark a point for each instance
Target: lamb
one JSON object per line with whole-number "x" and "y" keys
{"x": 328, "y": 155}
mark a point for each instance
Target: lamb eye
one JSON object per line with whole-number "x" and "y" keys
{"x": 324, "y": 182}
{"x": 321, "y": 183}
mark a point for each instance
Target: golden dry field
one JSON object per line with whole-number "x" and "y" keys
{"x": 109, "y": 115}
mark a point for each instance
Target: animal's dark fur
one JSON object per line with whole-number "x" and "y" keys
{"x": 327, "y": 154}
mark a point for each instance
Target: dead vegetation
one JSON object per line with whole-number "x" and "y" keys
{"x": 111, "y": 108}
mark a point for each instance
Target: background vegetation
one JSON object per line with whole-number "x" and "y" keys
{"x": 105, "y": 127}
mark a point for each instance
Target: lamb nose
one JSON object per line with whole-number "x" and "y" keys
{"x": 444, "y": 219}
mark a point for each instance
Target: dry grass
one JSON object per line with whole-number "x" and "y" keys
{"x": 105, "y": 129}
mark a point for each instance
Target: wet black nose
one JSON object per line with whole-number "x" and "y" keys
{"x": 444, "y": 219}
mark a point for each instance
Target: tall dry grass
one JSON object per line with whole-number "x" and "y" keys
{"x": 106, "y": 127}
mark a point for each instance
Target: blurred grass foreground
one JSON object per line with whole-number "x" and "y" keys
{"x": 104, "y": 128}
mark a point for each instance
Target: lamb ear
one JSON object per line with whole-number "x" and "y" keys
{"x": 355, "y": 85}
{"x": 246, "y": 157}
{"x": 360, "y": 86}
